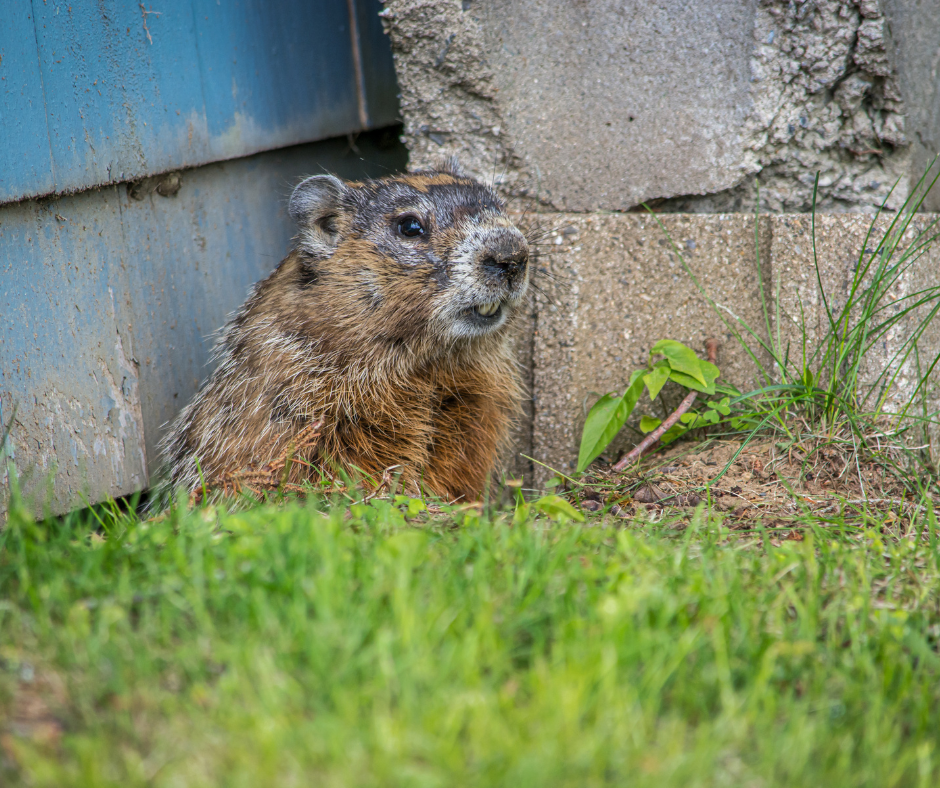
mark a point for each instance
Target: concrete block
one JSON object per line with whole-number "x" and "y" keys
{"x": 602, "y": 105}
{"x": 805, "y": 309}
{"x": 610, "y": 286}
{"x": 915, "y": 26}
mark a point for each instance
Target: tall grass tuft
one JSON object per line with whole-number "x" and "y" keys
{"x": 834, "y": 383}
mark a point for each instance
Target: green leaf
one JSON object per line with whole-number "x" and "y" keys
{"x": 681, "y": 358}
{"x": 416, "y": 506}
{"x": 648, "y": 424}
{"x": 605, "y": 420}
{"x": 656, "y": 379}
{"x": 413, "y": 505}
{"x": 694, "y": 421}
{"x": 711, "y": 372}
{"x": 723, "y": 407}
{"x": 557, "y": 508}
{"x": 691, "y": 383}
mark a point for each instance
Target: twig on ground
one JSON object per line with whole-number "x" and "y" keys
{"x": 711, "y": 347}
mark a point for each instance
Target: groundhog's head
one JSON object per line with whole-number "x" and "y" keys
{"x": 425, "y": 257}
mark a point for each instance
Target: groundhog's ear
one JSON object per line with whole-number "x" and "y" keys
{"x": 315, "y": 206}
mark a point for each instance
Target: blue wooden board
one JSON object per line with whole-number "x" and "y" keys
{"x": 109, "y": 306}
{"x": 25, "y": 152}
{"x": 66, "y": 350}
{"x": 94, "y": 92}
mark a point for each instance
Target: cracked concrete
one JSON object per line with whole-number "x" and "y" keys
{"x": 827, "y": 99}
{"x": 596, "y": 106}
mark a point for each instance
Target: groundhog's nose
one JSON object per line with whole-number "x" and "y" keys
{"x": 506, "y": 256}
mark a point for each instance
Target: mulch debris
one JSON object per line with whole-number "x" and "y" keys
{"x": 771, "y": 482}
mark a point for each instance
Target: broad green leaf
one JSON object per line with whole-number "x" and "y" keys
{"x": 605, "y": 420}
{"x": 558, "y": 508}
{"x": 415, "y": 506}
{"x": 723, "y": 407}
{"x": 649, "y": 423}
{"x": 711, "y": 372}
{"x": 634, "y": 389}
{"x": 681, "y": 358}
{"x": 656, "y": 379}
{"x": 691, "y": 383}
{"x": 688, "y": 417}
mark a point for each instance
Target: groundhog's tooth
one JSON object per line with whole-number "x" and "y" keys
{"x": 488, "y": 309}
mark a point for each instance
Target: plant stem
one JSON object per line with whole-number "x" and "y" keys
{"x": 711, "y": 347}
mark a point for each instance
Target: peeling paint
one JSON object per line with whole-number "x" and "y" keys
{"x": 107, "y": 319}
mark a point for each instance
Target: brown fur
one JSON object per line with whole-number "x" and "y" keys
{"x": 368, "y": 336}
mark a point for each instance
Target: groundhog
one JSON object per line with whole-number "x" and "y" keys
{"x": 380, "y": 345}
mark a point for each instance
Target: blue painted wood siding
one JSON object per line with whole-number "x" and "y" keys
{"x": 94, "y": 92}
{"x": 111, "y": 291}
{"x": 109, "y": 306}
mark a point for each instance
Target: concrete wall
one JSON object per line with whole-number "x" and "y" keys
{"x": 585, "y": 109}
{"x": 615, "y": 284}
{"x": 599, "y": 104}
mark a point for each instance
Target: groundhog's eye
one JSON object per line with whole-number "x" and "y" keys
{"x": 410, "y": 226}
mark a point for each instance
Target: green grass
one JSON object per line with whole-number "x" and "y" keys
{"x": 304, "y": 644}
{"x": 817, "y": 391}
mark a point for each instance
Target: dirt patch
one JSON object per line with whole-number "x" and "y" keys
{"x": 772, "y": 482}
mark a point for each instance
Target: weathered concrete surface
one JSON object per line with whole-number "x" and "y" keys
{"x": 448, "y": 92}
{"x": 590, "y": 118}
{"x": 826, "y": 98}
{"x": 598, "y": 105}
{"x": 803, "y": 311}
{"x": 612, "y": 287}
{"x": 516, "y": 463}
{"x": 916, "y": 26}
